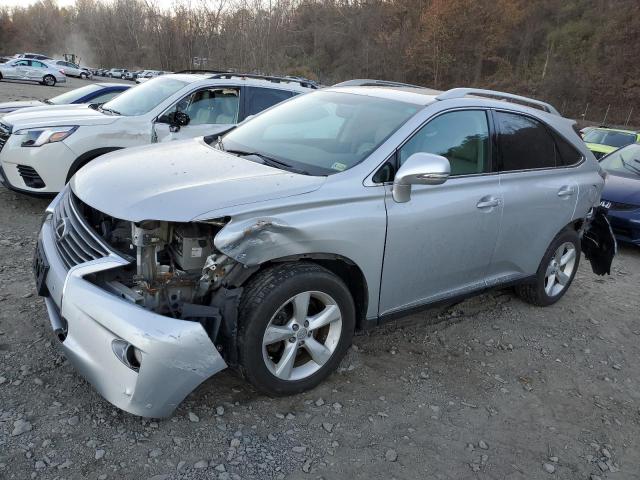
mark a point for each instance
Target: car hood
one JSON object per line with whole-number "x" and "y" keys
{"x": 601, "y": 148}
{"x": 180, "y": 181}
{"x": 54, "y": 115}
{"x": 6, "y": 107}
{"x": 622, "y": 188}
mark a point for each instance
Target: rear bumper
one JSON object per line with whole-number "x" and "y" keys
{"x": 176, "y": 355}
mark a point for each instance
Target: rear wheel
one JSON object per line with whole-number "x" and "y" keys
{"x": 296, "y": 323}
{"x": 49, "y": 80}
{"x": 556, "y": 271}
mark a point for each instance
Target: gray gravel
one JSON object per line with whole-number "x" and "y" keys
{"x": 490, "y": 388}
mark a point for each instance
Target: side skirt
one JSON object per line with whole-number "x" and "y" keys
{"x": 389, "y": 317}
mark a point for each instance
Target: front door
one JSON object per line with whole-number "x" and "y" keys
{"x": 440, "y": 243}
{"x": 209, "y": 111}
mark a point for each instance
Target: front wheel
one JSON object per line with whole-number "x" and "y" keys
{"x": 296, "y": 323}
{"x": 49, "y": 80}
{"x": 556, "y": 271}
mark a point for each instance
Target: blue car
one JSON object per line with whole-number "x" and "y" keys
{"x": 621, "y": 195}
{"x": 95, "y": 93}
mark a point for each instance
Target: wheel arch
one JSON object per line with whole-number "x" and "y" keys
{"x": 86, "y": 157}
{"x": 344, "y": 268}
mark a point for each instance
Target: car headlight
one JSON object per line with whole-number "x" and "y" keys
{"x": 36, "y": 137}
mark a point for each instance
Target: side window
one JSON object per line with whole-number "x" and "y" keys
{"x": 524, "y": 143}
{"x": 462, "y": 137}
{"x": 566, "y": 154}
{"x": 259, "y": 99}
{"x": 23, "y": 63}
{"x": 38, "y": 64}
{"x": 207, "y": 107}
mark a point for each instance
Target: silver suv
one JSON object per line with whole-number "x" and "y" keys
{"x": 266, "y": 248}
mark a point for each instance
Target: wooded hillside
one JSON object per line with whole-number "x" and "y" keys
{"x": 578, "y": 54}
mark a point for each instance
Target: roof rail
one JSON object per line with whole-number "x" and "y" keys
{"x": 463, "y": 92}
{"x": 366, "y": 82}
{"x": 269, "y": 78}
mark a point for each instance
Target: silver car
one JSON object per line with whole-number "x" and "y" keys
{"x": 31, "y": 71}
{"x": 266, "y": 248}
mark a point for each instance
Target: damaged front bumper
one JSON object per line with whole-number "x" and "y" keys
{"x": 172, "y": 356}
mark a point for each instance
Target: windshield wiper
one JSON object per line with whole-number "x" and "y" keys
{"x": 47, "y": 101}
{"x": 272, "y": 162}
{"x": 114, "y": 112}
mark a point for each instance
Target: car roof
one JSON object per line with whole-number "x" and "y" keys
{"x": 620, "y": 130}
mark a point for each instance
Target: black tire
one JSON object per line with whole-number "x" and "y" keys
{"x": 262, "y": 298}
{"x": 535, "y": 292}
{"x": 49, "y": 80}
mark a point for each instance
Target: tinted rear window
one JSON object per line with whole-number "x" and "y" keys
{"x": 524, "y": 143}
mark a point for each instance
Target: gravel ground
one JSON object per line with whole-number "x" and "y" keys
{"x": 490, "y": 388}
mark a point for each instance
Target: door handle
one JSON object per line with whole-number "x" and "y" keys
{"x": 566, "y": 191}
{"x": 488, "y": 202}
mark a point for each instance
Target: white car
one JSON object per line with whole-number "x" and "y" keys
{"x": 31, "y": 71}
{"x": 71, "y": 69}
{"x": 118, "y": 73}
{"x": 41, "y": 150}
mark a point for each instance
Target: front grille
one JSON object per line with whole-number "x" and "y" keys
{"x": 30, "y": 177}
{"x": 618, "y": 206}
{"x": 73, "y": 240}
{"x": 5, "y": 132}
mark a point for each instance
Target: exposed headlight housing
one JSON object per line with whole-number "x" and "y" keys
{"x": 36, "y": 137}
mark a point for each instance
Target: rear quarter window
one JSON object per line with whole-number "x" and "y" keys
{"x": 527, "y": 144}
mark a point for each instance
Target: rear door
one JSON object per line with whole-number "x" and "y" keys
{"x": 539, "y": 188}
{"x": 37, "y": 70}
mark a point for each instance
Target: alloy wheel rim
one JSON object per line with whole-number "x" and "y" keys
{"x": 302, "y": 335}
{"x": 560, "y": 269}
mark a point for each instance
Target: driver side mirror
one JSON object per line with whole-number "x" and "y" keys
{"x": 419, "y": 169}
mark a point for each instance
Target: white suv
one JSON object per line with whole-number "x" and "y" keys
{"x": 41, "y": 150}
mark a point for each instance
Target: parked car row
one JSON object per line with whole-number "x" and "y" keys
{"x": 134, "y": 75}
{"x": 40, "y": 68}
{"x": 257, "y": 240}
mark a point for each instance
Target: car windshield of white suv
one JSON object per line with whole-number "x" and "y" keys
{"x": 609, "y": 137}
{"x": 73, "y": 95}
{"x": 624, "y": 160}
{"x": 319, "y": 133}
{"x": 144, "y": 97}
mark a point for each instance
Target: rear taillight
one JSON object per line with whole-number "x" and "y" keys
{"x": 61, "y": 71}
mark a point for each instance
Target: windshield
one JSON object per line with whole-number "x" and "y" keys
{"x": 609, "y": 137}
{"x": 625, "y": 160}
{"x": 322, "y": 132}
{"x": 70, "y": 97}
{"x": 144, "y": 97}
